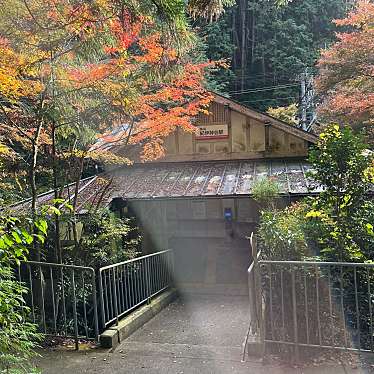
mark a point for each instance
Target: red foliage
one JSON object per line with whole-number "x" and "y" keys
{"x": 134, "y": 69}
{"x": 162, "y": 106}
{"x": 346, "y": 78}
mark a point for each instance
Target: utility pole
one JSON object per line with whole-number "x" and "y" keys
{"x": 306, "y": 103}
{"x": 243, "y": 49}
{"x": 303, "y": 102}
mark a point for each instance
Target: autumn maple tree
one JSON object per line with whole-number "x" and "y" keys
{"x": 346, "y": 77}
{"x": 75, "y": 71}
{"x": 90, "y": 66}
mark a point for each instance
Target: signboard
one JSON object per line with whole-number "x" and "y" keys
{"x": 212, "y": 132}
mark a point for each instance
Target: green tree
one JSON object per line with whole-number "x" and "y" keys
{"x": 342, "y": 213}
{"x": 271, "y": 45}
{"x": 286, "y": 114}
{"x": 265, "y": 191}
{"x": 336, "y": 225}
{"x": 105, "y": 239}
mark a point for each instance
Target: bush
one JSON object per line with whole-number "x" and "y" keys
{"x": 18, "y": 338}
{"x": 337, "y": 225}
{"x": 265, "y": 191}
{"x": 106, "y": 239}
{"x": 282, "y": 235}
{"x": 341, "y": 216}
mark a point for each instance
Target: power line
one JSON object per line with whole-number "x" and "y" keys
{"x": 264, "y": 79}
{"x": 275, "y": 98}
{"x": 268, "y": 88}
{"x": 269, "y": 75}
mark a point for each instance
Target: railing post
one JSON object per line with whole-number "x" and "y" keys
{"x": 115, "y": 304}
{"x": 252, "y": 287}
{"x": 257, "y": 294}
{"x": 148, "y": 283}
{"x": 75, "y": 311}
{"x": 101, "y": 292}
{"x": 94, "y": 300}
{"x": 42, "y": 301}
{"x": 172, "y": 267}
{"x": 294, "y": 316}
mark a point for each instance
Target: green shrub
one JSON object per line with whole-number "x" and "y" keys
{"x": 265, "y": 191}
{"x": 106, "y": 239}
{"x": 336, "y": 225}
{"x": 341, "y": 216}
{"x": 282, "y": 235}
{"x": 18, "y": 338}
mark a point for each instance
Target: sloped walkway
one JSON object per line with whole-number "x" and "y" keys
{"x": 197, "y": 334}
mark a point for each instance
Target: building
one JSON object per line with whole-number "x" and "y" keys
{"x": 197, "y": 199}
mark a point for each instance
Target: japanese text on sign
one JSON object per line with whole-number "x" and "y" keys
{"x": 213, "y": 132}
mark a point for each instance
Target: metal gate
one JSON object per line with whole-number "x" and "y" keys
{"x": 302, "y": 305}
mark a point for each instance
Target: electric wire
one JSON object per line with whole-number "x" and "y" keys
{"x": 268, "y": 88}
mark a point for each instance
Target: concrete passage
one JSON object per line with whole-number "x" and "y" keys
{"x": 195, "y": 334}
{"x": 219, "y": 321}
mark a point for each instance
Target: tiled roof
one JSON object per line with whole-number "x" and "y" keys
{"x": 191, "y": 179}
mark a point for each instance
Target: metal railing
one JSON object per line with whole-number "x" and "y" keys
{"x": 318, "y": 304}
{"x": 255, "y": 327}
{"x": 61, "y": 298}
{"x": 126, "y": 285}
{"x": 296, "y": 306}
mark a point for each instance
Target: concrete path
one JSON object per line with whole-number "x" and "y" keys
{"x": 199, "y": 334}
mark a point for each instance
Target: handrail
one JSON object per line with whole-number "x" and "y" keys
{"x": 325, "y": 263}
{"x": 55, "y": 265}
{"x": 134, "y": 260}
{"x": 253, "y": 294}
{"x": 125, "y": 286}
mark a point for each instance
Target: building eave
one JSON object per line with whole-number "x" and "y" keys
{"x": 263, "y": 117}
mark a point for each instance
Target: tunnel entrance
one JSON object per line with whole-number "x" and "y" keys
{"x": 211, "y": 265}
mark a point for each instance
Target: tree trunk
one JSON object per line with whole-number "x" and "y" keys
{"x": 243, "y": 13}
{"x": 34, "y": 156}
{"x": 75, "y": 201}
{"x": 253, "y": 36}
{"x": 235, "y": 41}
{"x": 58, "y": 253}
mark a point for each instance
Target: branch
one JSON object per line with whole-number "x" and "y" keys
{"x": 14, "y": 124}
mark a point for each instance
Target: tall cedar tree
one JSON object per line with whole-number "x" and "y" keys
{"x": 270, "y": 44}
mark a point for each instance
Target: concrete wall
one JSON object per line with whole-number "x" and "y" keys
{"x": 209, "y": 250}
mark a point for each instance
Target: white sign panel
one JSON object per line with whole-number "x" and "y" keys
{"x": 212, "y": 132}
